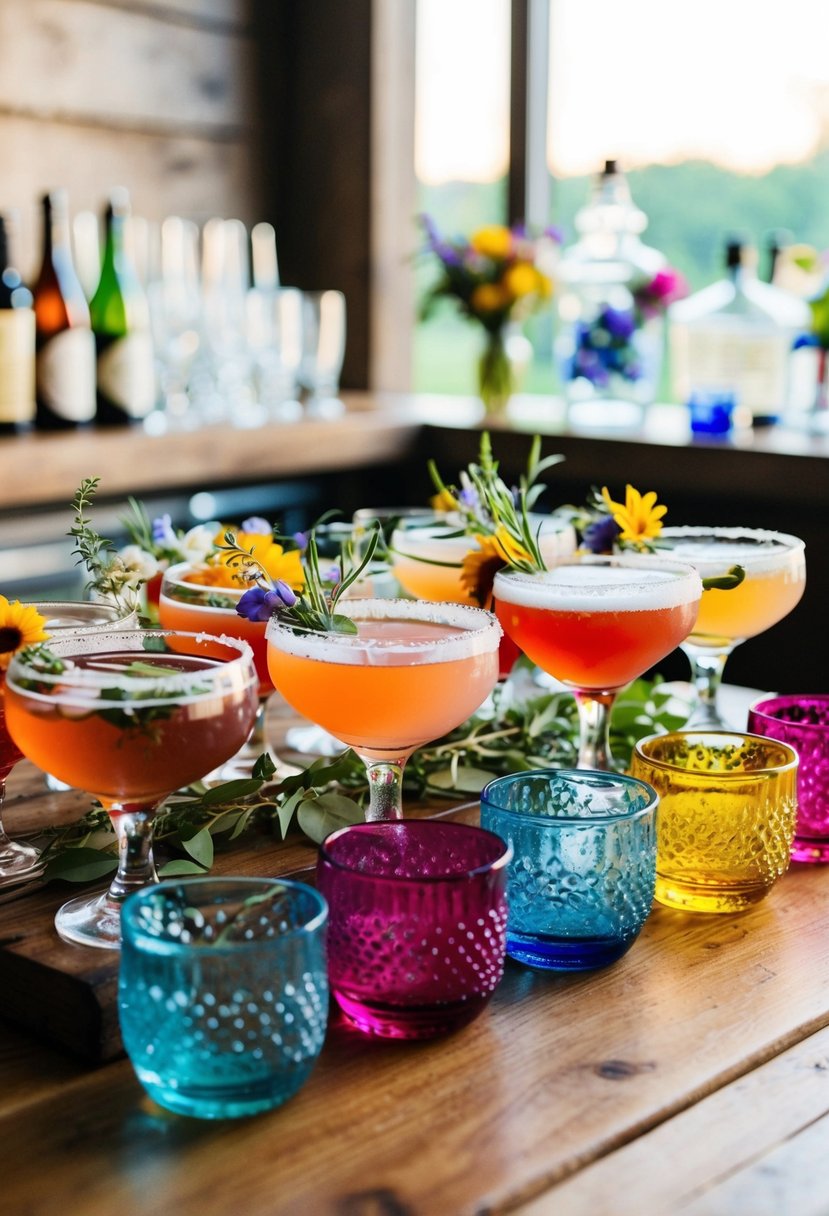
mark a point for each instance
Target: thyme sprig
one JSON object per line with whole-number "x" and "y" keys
{"x": 110, "y": 577}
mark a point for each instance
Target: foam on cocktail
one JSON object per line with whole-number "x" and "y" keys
{"x": 600, "y": 588}
{"x": 452, "y": 631}
{"x": 714, "y": 550}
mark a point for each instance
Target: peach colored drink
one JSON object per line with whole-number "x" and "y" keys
{"x": 412, "y": 672}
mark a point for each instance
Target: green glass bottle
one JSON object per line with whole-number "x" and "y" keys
{"x": 121, "y": 324}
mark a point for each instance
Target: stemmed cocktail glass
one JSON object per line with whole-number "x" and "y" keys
{"x": 129, "y": 717}
{"x": 18, "y": 862}
{"x": 775, "y": 577}
{"x": 596, "y": 624}
{"x": 411, "y": 672}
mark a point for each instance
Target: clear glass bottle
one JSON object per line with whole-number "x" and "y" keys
{"x": 17, "y": 346}
{"x": 608, "y": 350}
{"x": 65, "y": 360}
{"x": 735, "y": 338}
{"x": 121, "y": 323}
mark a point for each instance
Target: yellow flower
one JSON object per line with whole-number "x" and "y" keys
{"x": 276, "y": 562}
{"x": 488, "y": 297}
{"x": 521, "y": 279}
{"x": 512, "y": 552}
{"x": 20, "y": 625}
{"x": 639, "y": 517}
{"x": 492, "y": 241}
{"x": 480, "y": 565}
{"x": 444, "y": 501}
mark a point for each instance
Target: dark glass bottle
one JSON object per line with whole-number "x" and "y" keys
{"x": 65, "y": 363}
{"x": 17, "y": 346}
{"x": 121, "y": 325}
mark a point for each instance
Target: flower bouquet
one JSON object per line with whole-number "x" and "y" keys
{"x": 497, "y": 277}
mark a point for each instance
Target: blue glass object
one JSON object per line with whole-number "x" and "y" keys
{"x": 223, "y": 992}
{"x": 581, "y": 881}
{"x": 711, "y": 412}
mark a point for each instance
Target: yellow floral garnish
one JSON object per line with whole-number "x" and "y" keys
{"x": 20, "y": 625}
{"x": 480, "y": 565}
{"x": 443, "y": 501}
{"x": 492, "y": 241}
{"x": 639, "y": 517}
{"x": 279, "y": 563}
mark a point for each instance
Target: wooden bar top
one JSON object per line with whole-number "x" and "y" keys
{"x": 691, "y": 1077}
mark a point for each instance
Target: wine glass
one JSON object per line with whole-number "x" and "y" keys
{"x": 596, "y": 624}
{"x": 410, "y": 673}
{"x": 200, "y": 608}
{"x": 775, "y": 578}
{"x": 129, "y": 716}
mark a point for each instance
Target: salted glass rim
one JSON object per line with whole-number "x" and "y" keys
{"x": 118, "y": 620}
{"x": 76, "y": 678}
{"x": 720, "y": 776}
{"x": 557, "y": 587}
{"x": 416, "y": 826}
{"x": 791, "y": 544}
{"x": 163, "y": 944}
{"x": 785, "y": 700}
{"x": 583, "y": 776}
{"x": 484, "y": 638}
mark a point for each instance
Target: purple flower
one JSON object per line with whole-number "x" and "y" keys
{"x": 599, "y": 536}
{"x": 260, "y": 604}
{"x": 468, "y": 497}
{"x": 258, "y": 525}
{"x": 301, "y": 540}
{"x": 163, "y": 533}
{"x": 332, "y": 575}
{"x": 618, "y": 322}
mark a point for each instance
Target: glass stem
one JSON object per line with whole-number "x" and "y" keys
{"x": 256, "y": 738}
{"x": 134, "y": 833}
{"x": 706, "y": 675}
{"x": 385, "y": 786}
{"x": 4, "y": 840}
{"x": 594, "y": 729}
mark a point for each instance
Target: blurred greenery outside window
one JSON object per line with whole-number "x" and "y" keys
{"x": 720, "y": 122}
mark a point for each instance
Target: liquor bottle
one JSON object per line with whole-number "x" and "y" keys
{"x": 121, "y": 325}
{"x": 734, "y": 339}
{"x": 17, "y": 346}
{"x": 65, "y": 362}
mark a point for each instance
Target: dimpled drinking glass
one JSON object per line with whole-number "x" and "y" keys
{"x": 726, "y": 816}
{"x": 417, "y": 923}
{"x": 802, "y": 721}
{"x": 581, "y": 881}
{"x": 223, "y": 994}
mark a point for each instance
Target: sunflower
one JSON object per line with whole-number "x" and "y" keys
{"x": 480, "y": 565}
{"x": 20, "y": 625}
{"x": 639, "y": 517}
{"x": 277, "y": 562}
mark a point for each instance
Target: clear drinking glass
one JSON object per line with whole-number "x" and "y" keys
{"x": 802, "y": 721}
{"x": 412, "y": 672}
{"x": 417, "y": 920}
{"x": 223, "y": 992}
{"x": 727, "y": 804}
{"x": 19, "y": 863}
{"x": 596, "y": 624}
{"x": 129, "y": 717}
{"x": 323, "y": 350}
{"x": 775, "y": 578}
{"x": 581, "y": 881}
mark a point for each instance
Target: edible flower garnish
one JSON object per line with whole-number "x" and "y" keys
{"x": 21, "y": 625}
{"x": 639, "y": 517}
{"x": 113, "y": 577}
{"x": 313, "y": 606}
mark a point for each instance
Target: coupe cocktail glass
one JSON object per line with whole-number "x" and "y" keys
{"x": 775, "y": 576}
{"x": 198, "y": 607}
{"x": 596, "y": 624}
{"x": 412, "y": 672}
{"x": 130, "y": 717}
{"x": 18, "y": 862}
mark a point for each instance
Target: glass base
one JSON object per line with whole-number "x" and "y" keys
{"x": 566, "y": 954}
{"x": 19, "y": 863}
{"x": 185, "y": 1095}
{"x": 696, "y": 897}
{"x": 91, "y": 920}
{"x": 706, "y": 717}
{"x": 810, "y": 849}
{"x": 410, "y": 1021}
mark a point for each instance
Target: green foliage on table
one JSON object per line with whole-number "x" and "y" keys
{"x": 539, "y": 730}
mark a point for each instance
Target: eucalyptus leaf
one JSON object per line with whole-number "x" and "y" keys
{"x": 80, "y": 864}
{"x": 242, "y": 823}
{"x": 231, "y": 791}
{"x": 466, "y": 780}
{"x": 264, "y": 768}
{"x": 285, "y": 810}
{"x": 320, "y": 816}
{"x": 200, "y": 848}
{"x": 172, "y": 869}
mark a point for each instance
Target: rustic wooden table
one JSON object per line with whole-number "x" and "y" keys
{"x": 692, "y": 1077}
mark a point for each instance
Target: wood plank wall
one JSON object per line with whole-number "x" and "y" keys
{"x": 155, "y": 95}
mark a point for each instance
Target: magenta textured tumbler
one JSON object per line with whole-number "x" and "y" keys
{"x": 417, "y": 923}
{"x": 802, "y": 721}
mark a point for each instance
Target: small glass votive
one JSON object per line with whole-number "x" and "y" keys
{"x": 802, "y": 721}
{"x": 417, "y": 923}
{"x": 581, "y": 880}
{"x": 726, "y": 816}
{"x": 223, "y": 995}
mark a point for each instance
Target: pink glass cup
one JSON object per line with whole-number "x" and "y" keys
{"x": 802, "y": 721}
{"x": 417, "y": 923}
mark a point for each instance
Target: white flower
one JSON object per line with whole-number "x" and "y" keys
{"x": 197, "y": 544}
{"x": 138, "y": 565}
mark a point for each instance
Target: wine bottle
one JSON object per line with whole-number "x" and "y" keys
{"x": 121, "y": 325}
{"x": 17, "y": 346}
{"x": 65, "y": 361}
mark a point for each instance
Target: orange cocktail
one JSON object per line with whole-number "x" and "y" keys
{"x": 411, "y": 672}
{"x": 597, "y": 624}
{"x": 775, "y": 577}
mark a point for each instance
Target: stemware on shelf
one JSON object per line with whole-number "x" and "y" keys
{"x": 596, "y": 624}
{"x": 130, "y": 717}
{"x": 411, "y": 672}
